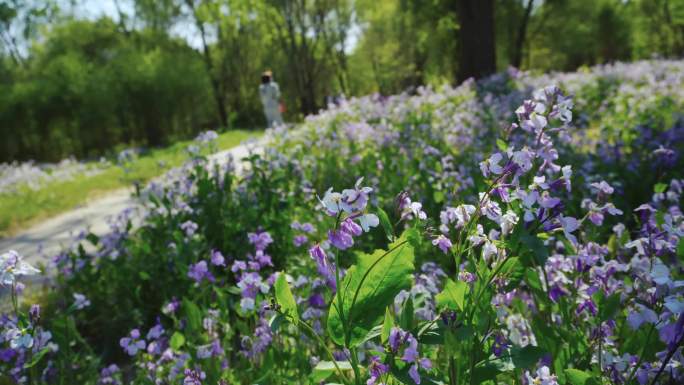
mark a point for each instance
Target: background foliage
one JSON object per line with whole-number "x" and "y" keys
{"x": 71, "y": 85}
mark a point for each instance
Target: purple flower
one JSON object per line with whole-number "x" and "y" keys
{"x": 640, "y": 316}
{"x": 400, "y": 339}
{"x": 171, "y": 307}
{"x": 340, "y": 239}
{"x": 193, "y": 377}
{"x": 238, "y": 265}
{"x": 155, "y": 332}
{"x": 300, "y": 240}
{"x": 217, "y": 258}
{"x": 409, "y": 209}
{"x": 189, "y": 227}
{"x": 376, "y": 369}
{"x": 34, "y": 313}
{"x": 356, "y": 199}
{"x": 323, "y": 266}
{"x": 200, "y": 271}
{"x": 443, "y": 243}
{"x": 80, "y": 301}
{"x": 133, "y": 343}
{"x": 107, "y": 375}
{"x": 260, "y": 239}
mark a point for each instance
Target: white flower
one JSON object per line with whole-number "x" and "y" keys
{"x": 368, "y": 220}
{"x": 569, "y": 224}
{"x": 478, "y": 237}
{"x": 491, "y": 165}
{"x": 508, "y": 222}
{"x": 488, "y": 250}
{"x": 19, "y": 340}
{"x": 12, "y": 266}
{"x": 660, "y": 273}
{"x": 331, "y": 201}
{"x": 523, "y": 159}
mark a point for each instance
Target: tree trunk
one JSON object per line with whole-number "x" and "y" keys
{"x": 219, "y": 97}
{"x": 476, "y": 37}
{"x": 520, "y": 38}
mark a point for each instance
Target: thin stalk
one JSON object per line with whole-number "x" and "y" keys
{"x": 300, "y": 323}
{"x": 667, "y": 360}
{"x": 355, "y": 366}
{"x": 641, "y": 356}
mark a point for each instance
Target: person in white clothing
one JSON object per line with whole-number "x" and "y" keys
{"x": 270, "y": 98}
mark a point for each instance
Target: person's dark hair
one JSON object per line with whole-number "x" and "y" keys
{"x": 265, "y": 79}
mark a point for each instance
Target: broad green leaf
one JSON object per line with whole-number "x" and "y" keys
{"x": 387, "y": 326}
{"x": 177, "y": 341}
{"x": 285, "y": 299}
{"x": 577, "y": 377}
{"x": 660, "y": 188}
{"x": 325, "y": 369}
{"x": 453, "y": 295}
{"x": 193, "y": 314}
{"x": 386, "y": 224}
{"x": 367, "y": 289}
{"x": 526, "y": 357}
{"x": 534, "y": 251}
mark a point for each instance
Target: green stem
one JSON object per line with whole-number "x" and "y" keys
{"x": 309, "y": 329}
{"x": 355, "y": 366}
{"x": 641, "y": 356}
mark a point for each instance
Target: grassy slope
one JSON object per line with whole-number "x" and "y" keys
{"x": 19, "y": 211}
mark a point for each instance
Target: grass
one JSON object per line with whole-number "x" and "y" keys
{"x": 26, "y": 207}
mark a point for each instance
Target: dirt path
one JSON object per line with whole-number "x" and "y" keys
{"x": 48, "y": 238}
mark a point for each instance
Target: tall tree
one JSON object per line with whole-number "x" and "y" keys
{"x": 219, "y": 95}
{"x": 516, "y": 60}
{"x": 477, "y": 49}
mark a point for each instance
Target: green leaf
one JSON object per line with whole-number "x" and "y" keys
{"x": 386, "y": 224}
{"x": 536, "y": 253}
{"x": 194, "y": 316}
{"x": 532, "y": 279}
{"x": 513, "y": 271}
{"x": 387, "y": 326}
{"x": 577, "y": 377}
{"x": 526, "y": 357}
{"x": 609, "y": 306}
{"x": 37, "y": 357}
{"x": 177, "y": 341}
{"x": 325, "y": 369}
{"x": 680, "y": 249}
{"x": 453, "y": 295}
{"x": 367, "y": 289}
{"x": 502, "y": 145}
{"x": 660, "y": 188}
{"x": 275, "y": 322}
{"x": 285, "y": 299}
{"x": 406, "y": 318}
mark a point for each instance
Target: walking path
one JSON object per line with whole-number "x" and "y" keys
{"x": 48, "y": 238}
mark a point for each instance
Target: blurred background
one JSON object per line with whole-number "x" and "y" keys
{"x": 81, "y": 77}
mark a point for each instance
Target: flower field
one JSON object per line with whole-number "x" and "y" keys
{"x": 523, "y": 229}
